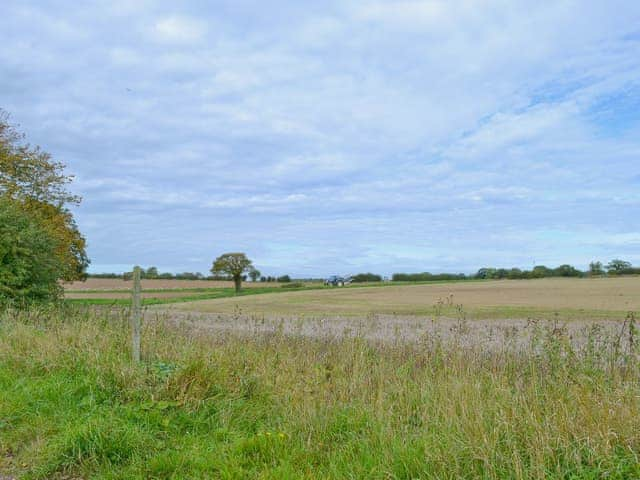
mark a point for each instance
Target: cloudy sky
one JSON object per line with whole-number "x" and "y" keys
{"x": 337, "y": 137}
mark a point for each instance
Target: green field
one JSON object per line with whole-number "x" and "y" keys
{"x": 72, "y": 405}
{"x": 163, "y": 296}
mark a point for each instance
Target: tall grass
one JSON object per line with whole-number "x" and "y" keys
{"x": 280, "y": 406}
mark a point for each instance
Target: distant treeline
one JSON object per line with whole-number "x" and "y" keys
{"x": 426, "y": 276}
{"x": 152, "y": 273}
{"x": 282, "y": 279}
{"x": 366, "y": 277}
{"x": 160, "y": 276}
{"x": 613, "y": 268}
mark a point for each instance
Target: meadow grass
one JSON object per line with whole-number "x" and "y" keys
{"x": 280, "y": 406}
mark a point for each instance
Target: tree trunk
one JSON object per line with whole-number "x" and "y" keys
{"x": 237, "y": 282}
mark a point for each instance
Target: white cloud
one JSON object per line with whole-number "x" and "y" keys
{"x": 397, "y": 125}
{"x": 124, "y": 56}
{"x": 179, "y": 30}
{"x": 429, "y": 14}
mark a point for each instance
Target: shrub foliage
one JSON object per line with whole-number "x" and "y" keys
{"x": 40, "y": 241}
{"x": 29, "y": 266}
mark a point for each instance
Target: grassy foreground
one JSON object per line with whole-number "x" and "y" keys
{"x": 73, "y": 406}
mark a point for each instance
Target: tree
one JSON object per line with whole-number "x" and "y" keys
{"x": 254, "y": 274}
{"x": 618, "y": 266}
{"x": 540, "y": 271}
{"x": 128, "y": 276}
{"x": 567, "y": 271}
{"x": 366, "y": 277}
{"x": 284, "y": 279}
{"x": 515, "y": 274}
{"x": 29, "y": 267}
{"x": 234, "y": 265}
{"x": 486, "y": 273}
{"x": 38, "y": 184}
{"x": 151, "y": 272}
{"x": 595, "y": 269}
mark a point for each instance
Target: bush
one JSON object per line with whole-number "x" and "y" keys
{"x": 104, "y": 275}
{"x": 366, "y": 277}
{"x": 29, "y": 266}
{"x": 426, "y": 277}
{"x": 284, "y": 279}
{"x": 566, "y": 271}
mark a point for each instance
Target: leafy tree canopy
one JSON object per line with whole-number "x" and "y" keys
{"x": 618, "y": 266}
{"x": 27, "y": 172}
{"x": 31, "y": 179}
{"x": 595, "y": 268}
{"x": 29, "y": 266}
{"x": 234, "y": 265}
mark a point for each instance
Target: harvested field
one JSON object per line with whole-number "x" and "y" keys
{"x": 601, "y": 298}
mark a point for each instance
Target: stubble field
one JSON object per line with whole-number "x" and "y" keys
{"x": 599, "y": 298}
{"x": 483, "y": 313}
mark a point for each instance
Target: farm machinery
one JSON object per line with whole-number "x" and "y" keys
{"x": 337, "y": 281}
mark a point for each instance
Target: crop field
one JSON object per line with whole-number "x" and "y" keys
{"x": 605, "y": 298}
{"x": 576, "y": 299}
{"x": 486, "y": 313}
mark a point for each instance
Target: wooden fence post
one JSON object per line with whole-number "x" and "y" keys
{"x": 136, "y": 315}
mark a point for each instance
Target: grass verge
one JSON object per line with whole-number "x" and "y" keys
{"x": 73, "y": 406}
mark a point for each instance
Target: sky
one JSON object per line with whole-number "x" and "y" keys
{"x": 336, "y": 137}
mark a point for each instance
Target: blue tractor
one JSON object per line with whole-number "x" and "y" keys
{"x": 337, "y": 281}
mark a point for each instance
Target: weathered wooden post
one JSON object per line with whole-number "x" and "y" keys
{"x": 136, "y": 315}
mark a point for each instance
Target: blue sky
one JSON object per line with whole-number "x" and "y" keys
{"x": 337, "y": 137}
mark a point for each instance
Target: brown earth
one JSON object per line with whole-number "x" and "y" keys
{"x": 494, "y": 314}
{"x": 501, "y": 298}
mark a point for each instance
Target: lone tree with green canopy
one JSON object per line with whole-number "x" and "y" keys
{"x": 233, "y": 265}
